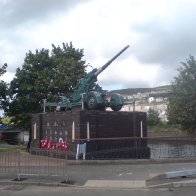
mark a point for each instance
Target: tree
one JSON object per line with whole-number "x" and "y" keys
{"x": 43, "y": 75}
{"x": 3, "y": 87}
{"x": 153, "y": 117}
{"x": 182, "y": 102}
{"x": 6, "y": 120}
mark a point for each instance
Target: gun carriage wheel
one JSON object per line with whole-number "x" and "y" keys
{"x": 116, "y": 108}
{"x": 91, "y": 101}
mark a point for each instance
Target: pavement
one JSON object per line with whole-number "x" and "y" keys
{"x": 128, "y": 174}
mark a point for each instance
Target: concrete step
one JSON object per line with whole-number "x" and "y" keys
{"x": 116, "y": 183}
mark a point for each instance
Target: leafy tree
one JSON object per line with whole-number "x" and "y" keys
{"x": 6, "y": 120}
{"x": 182, "y": 102}
{"x": 3, "y": 87}
{"x": 153, "y": 117}
{"x": 43, "y": 75}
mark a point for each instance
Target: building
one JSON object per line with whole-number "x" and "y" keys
{"x": 149, "y": 98}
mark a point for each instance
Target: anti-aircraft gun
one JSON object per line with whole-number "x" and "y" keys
{"x": 90, "y": 95}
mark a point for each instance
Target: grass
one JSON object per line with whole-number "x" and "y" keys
{"x": 7, "y": 150}
{"x": 10, "y": 148}
{"x": 164, "y": 129}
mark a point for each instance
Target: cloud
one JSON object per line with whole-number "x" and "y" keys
{"x": 161, "y": 34}
{"x": 14, "y": 13}
{"x": 169, "y": 38}
{"x": 128, "y": 73}
{"x": 21, "y": 23}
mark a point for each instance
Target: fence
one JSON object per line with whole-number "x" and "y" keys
{"x": 53, "y": 162}
{"x": 138, "y": 148}
{"x": 39, "y": 162}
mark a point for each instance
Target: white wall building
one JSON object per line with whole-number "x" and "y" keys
{"x": 144, "y": 101}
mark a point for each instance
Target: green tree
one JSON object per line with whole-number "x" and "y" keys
{"x": 6, "y": 120}
{"x": 43, "y": 75}
{"x": 182, "y": 102}
{"x": 3, "y": 87}
{"x": 153, "y": 117}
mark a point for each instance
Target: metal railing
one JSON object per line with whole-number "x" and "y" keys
{"x": 39, "y": 162}
{"x": 137, "y": 148}
{"x": 54, "y": 162}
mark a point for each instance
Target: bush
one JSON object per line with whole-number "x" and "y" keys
{"x": 153, "y": 117}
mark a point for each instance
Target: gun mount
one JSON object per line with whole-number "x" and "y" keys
{"x": 90, "y": 95}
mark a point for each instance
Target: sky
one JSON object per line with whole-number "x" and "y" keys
{"x": 161, "y": 35}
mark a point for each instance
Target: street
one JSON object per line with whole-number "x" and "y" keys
{"x": 22, "y": 190}
{"x": 82, "y": 176}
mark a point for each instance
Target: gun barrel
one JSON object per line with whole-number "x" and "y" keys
{"x": 110, "y": 61}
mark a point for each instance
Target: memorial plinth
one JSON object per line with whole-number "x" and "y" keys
{"x": 106, "y": 134}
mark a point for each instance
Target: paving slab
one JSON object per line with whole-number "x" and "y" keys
{"x": 116, "y": 183}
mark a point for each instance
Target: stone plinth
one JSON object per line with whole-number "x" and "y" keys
{"x": 109, "y": 132}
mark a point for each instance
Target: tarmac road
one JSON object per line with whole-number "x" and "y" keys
{"x": 115, "y": 179}
{"x": 21, "y": 190}
{"x": 80, "y": 174}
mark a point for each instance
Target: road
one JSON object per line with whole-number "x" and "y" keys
{"x": 22, "y": 190}
{"x": 79, "y": 175}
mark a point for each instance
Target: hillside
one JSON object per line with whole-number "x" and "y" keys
{"x": 131, "y": 91}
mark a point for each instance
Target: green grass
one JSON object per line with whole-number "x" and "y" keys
{"x": 166, "y": 130}
{"x": 7, "y": 150}
{"x": 11, "y": 148}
